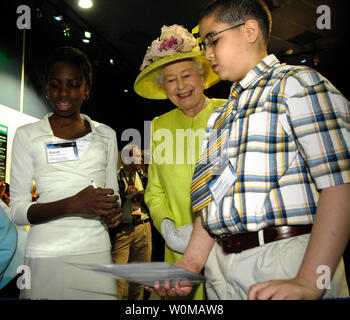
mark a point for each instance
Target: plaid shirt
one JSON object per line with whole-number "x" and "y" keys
{"x": 289, "y": 139}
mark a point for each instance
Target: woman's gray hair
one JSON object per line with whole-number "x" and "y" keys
{"x": 158, "y": 79}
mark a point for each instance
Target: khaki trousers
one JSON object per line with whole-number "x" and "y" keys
{"x": 230, "y": 276}
{"x": 132, "y": 244}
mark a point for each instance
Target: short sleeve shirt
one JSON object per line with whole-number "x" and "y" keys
{"x": 289, "y": 139}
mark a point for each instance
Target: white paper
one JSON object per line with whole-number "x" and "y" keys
{"x": 144, "y": 273}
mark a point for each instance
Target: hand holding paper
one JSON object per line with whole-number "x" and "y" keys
{"x": 146, "y": 273}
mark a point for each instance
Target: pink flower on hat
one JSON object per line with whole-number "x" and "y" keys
{"x": 173, "y": 39}
{"x": 168, "y": 44}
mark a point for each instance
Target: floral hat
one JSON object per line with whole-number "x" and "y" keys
{"x": 175, "y": 43}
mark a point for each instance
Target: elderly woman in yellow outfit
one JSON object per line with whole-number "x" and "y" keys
{"x": 175, "y": 68}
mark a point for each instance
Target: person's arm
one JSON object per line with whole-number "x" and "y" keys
{"x": 176, "y": 237}
{"x": 88, "y": 202}
{"x": 329, "y": 237}
{"x": 155, "y": 197}
{"x": 113, "y": 220}
{"x": 162, "y": 217}
{"x": 194, "y": 259}
{"x": 8, "y": 242}
{"x": 22, "y": 175}
{"x": 112, "y": 166}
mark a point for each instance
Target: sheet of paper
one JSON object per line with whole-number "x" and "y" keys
{"x": 144, "y": 273}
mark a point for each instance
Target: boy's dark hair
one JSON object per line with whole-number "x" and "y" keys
{"x": 234, "y": 11}
{"x": 73, "y": 56}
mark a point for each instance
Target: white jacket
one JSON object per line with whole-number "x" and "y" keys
{"x": 56, "y": 181}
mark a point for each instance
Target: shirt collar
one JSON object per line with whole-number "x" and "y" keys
{"x": 43, "y": 127}
{"x": 256, "y": 73}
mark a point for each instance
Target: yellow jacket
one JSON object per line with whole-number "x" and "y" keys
{"x": 175, "y": 150}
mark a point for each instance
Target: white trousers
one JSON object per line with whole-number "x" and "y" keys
{"x": 229, "y": 276}
{"x": 53, "y": 278}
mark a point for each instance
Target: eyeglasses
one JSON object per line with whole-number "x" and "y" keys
{"x": 209, "y": 41}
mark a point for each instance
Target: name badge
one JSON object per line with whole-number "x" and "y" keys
{"x": 62, "y": 151}
{"x": 222, "y": 184}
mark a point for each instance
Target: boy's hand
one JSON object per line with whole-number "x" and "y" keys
{"x": 293, "y": 289}
{"x": 174, "y": 289}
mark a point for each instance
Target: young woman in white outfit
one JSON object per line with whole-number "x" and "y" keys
{"x": 63, "y": 153}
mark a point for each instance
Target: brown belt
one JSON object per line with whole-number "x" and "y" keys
{"x": 243, "y": 241}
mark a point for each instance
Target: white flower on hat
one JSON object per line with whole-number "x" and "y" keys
{"x": 173, "y": 39}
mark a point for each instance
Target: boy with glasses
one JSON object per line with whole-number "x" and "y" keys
{"x": 275, "y": 167}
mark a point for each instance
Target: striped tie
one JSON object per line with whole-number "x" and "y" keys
{"x": 201, "y": 195}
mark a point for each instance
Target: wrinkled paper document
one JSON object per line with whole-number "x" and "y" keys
{"x": 145, "y": 273}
